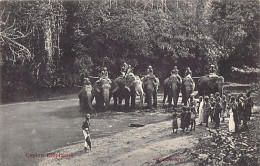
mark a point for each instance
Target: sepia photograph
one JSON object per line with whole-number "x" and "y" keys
{"x": 129, "y": 82}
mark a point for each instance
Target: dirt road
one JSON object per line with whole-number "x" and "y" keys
{"x": 40, "y": 127}
{"x": 140, "y": 146}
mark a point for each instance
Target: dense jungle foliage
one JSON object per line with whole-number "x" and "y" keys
{"x": 49, "y": 44}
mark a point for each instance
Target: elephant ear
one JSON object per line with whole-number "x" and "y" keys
{"x": 81, "y": 92}
{"x": 144, "y": 80}
{"x": 114, "y": 87}
{"x": 213, "y": 82}
{"x": 98, "y": 86}
{"x": 166, "y": 81}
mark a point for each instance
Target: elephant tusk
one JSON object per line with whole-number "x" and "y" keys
{"x": 127, "y": 88}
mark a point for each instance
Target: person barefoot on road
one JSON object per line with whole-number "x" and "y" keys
{"x": 188, "y": 118}
{"x": 193, "y": 117}
{"x": 86, "y": 132}
{"x": 174, "y": 121}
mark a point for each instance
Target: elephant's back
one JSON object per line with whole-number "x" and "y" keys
{"x": 202, "y": 80}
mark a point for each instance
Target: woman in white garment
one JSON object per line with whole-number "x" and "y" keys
{"x": 201, "y": 111}
{"x": 231, "y": 122}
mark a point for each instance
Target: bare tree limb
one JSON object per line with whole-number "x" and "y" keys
{"x": 21, "y": 49}
{"x": 9, "y": 27}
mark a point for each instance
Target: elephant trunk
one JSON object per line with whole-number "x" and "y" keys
{"x": 106, "y": 97}
{"x": 140, "y": 92}
{"x": 220, "y": 89}
{"x": 220, "y": 85}
{"x": 174, "y": 93}
{"x": 149, "y": 93}
{"x": 89, "y": 98}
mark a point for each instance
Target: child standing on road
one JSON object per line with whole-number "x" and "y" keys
{"x": 174, "y": 121}
{"x": 217, "y": 112}
{"x": 212, "y": 103}
{"x": 188, "y": 118}
{"x": 193, "y": 117}
{"x": 248, "y": 106}
{"x": 86, "y": 132}
{"x": 224, "y": 108}
{"x": 206, "y": 108}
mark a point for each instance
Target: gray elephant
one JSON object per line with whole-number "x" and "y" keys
{"x": 129, "y": 86}
{"x": 172, "y": 87}
{"x": 188, "y": 86}
{"x": 103, "y": 90}
{"x": 85, "y": 95}
{"x": 210, "y": 85}
{"x": 150, "y": 84}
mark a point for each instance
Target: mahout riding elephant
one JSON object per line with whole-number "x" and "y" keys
{"x": 172, "y": 87}
{"x": 129, "y": 86}
{"x": 150, "y": 86}
{"x": 210, "y": 85}
{"x": 103, "y": 90}
{"x": 85, "y": 95}
{"x": 188, "y": 86}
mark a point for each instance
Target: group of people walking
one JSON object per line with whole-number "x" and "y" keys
{"x": 215, "y": 109}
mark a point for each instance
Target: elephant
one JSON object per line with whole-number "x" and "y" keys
{"x": 150, "y": 86}
{"x": 172, "y": 87}
{"x": 129, "y": 86}
{"x": 85, "y": 95}
{"x": 208, "y": 85}
{"x": 103, "y": 90}
{"x": 188, "y": 86}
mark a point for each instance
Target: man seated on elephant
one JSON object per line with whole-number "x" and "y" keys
{"x": 188, "y": 72}
{"x": 104, "y": 73}
{"x": 150, "y": 75}
{"x": 150, "y": 71}
{"x": 124, "y": 69}
{"x": 87, "y": 81}
{"x": 212, "y": 71}
{"x": 129, "y": 70}
{"x": 175, "y": 71}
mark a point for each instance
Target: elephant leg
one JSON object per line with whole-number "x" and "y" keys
{"x": 81, "y": 108}
{"x": 184, "y": 97}
{"x": 149, "y": 100}
{"x": 141, "y": 100}
{"x": 165, "y": 94}
{"x": 164, "y": 97}
{"x": 120, "y": 99}
{"x": 155, "y": 99}
{"x": 127, "y": 99}
{"x": 170, "y": 98}
{"x": 98, "y": 102}
{"x": 89, "y": 101}
{"x": 115, "y": 100}
{"x": 90, "y": 105}
{"x": 133, "y": 96}
{"x": 84, "y": 103}
{"x": 178, "y": 95}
